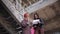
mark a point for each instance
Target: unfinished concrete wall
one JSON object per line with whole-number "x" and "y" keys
{"x": 57, "y": 7}
{"x": 46, "y": 13}
{"x": 50, "y": 11}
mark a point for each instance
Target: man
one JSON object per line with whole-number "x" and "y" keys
{"x": 26, "y": 24}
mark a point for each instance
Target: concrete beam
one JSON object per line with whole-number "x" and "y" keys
{"x": 13, "y": 10}
{"x": 38, "y": 5}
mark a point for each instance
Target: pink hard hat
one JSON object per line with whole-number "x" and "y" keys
{"x": 26, "y": 15}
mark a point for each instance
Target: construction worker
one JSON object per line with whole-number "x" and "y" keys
{"x": 26, "y": 24}
{"x": 38, "y": 24}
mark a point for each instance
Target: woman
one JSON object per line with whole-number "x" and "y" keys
{"x": 38, "y": 24}
{"x": 26, "y": 26}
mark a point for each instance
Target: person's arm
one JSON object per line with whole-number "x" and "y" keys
{"x": 23, "y": 24}
{"x": 42, "y": 21}
{"x": 30, "y": 22}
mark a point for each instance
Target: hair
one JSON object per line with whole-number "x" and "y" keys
{"x": 37, "y": 16}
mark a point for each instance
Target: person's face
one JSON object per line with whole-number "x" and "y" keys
{"x": 36, "y": 16}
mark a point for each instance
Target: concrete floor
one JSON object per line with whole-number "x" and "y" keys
{"x": 55, "y": 31}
